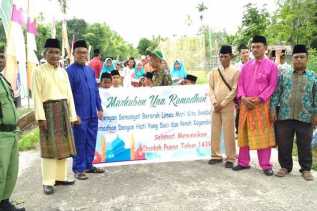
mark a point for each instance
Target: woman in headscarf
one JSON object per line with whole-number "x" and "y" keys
{"x": 138, "y": 71}
{"x": 178, "y": 72}
{"x": 107, "y": 66}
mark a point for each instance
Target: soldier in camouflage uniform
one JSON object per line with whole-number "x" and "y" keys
{"x": 160, "y": 77}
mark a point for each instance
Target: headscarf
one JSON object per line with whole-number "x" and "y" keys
{"x": 138, "y": 73}
{"x": 178, "y": 73}
{"x": 107, "y": 69}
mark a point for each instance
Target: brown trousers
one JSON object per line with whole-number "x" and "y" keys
{"x": 223, "y": 121}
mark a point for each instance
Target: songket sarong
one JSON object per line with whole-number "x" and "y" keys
{"x": 255, "y": 127}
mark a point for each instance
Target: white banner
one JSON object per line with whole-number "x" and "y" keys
{"x": 154, "y": 124}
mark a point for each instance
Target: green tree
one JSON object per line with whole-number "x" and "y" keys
{"x": 295, "y": 21}
{"x": 44, "y": 33}
{"x": 254, "y": 21}
{"x": 98, "y": 35}
{"x": 64, "y": 6}
{"x": 75, "y": 27}
{"x": 312, "y": 62}
{"x": 201, "y": 7}
{"x": 110, "y": 43}
{"x": 144, "y": 45}
{"x": 2, "y": 36}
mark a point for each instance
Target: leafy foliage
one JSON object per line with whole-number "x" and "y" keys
{"x": 254, "y": 22}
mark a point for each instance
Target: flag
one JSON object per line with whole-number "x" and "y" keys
{"x": 71, "y": 58}
{"x": 5, "y": 14}
{"x": 53, "y": 28}
{"x": 65, "y": 42}
{"x": 32, "y": 60}
{"x": 15, "y": 71}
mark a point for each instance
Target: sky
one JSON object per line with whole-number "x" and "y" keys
{"x": 134, "y": 19}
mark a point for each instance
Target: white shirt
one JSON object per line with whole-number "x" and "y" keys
{"x": 127, "y": 74}
{"x": 284, "y": 67}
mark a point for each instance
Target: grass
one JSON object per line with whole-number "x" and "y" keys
{"x": 202, "y": 76}
{"x": 29, "y": 140}
{"x": 22, "y": 111}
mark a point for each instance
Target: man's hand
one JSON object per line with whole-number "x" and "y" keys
{"x": 77, "y": 122}
{"x": 217, "y": 107}
{"x": 248, "y": 102}
{"x": 100, "y": 115}
{"x": 256, "y": 100}
{"x": 42, "y": 124}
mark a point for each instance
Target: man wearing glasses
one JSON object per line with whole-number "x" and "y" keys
{"x": 88, "y": 108}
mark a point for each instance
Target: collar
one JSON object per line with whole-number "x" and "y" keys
{"x": 259, "y": 61}
{"x": 222, "y": 68}
{"x": 52, "y": 67}
{"x": 80, "y": 65}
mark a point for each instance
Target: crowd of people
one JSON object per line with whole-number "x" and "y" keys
{"x": 146, "y": 72}
{"x": 273, "y": 102}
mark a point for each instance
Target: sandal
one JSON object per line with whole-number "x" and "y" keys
{"x": 81, "y": 176}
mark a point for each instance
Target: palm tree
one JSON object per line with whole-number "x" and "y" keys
{"x": 201, "y": 9}
{"x": 63, "y": 5}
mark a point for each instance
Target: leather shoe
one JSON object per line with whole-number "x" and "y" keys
{"x": 48, "y": 190}
{"x": 239, "y": 168}
{"x": 268, "y": 172}
{"x": 214, "y": 161}
{"x": 57, "y": 183}
{"x": 228, "y": 165}
{"x": 307, "y": 175}
{"x": 6, "y": 205}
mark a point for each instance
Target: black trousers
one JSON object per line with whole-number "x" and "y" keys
{"x": 285, "y": 131}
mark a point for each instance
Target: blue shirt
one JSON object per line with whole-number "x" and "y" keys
{"x": 85, "y": 90}
{"x": 297, "y": 96}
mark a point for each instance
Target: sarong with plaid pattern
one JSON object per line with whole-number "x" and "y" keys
{"x": 57, "y": 142}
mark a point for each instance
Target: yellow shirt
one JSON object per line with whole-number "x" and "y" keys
{"x": 50, "y": 83}
{"x": 219, "y": 92}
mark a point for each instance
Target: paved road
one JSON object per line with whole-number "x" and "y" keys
{"x": 168, "y": 186}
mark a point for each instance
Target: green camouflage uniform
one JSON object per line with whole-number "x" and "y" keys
{"x": 162, "y": 78}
